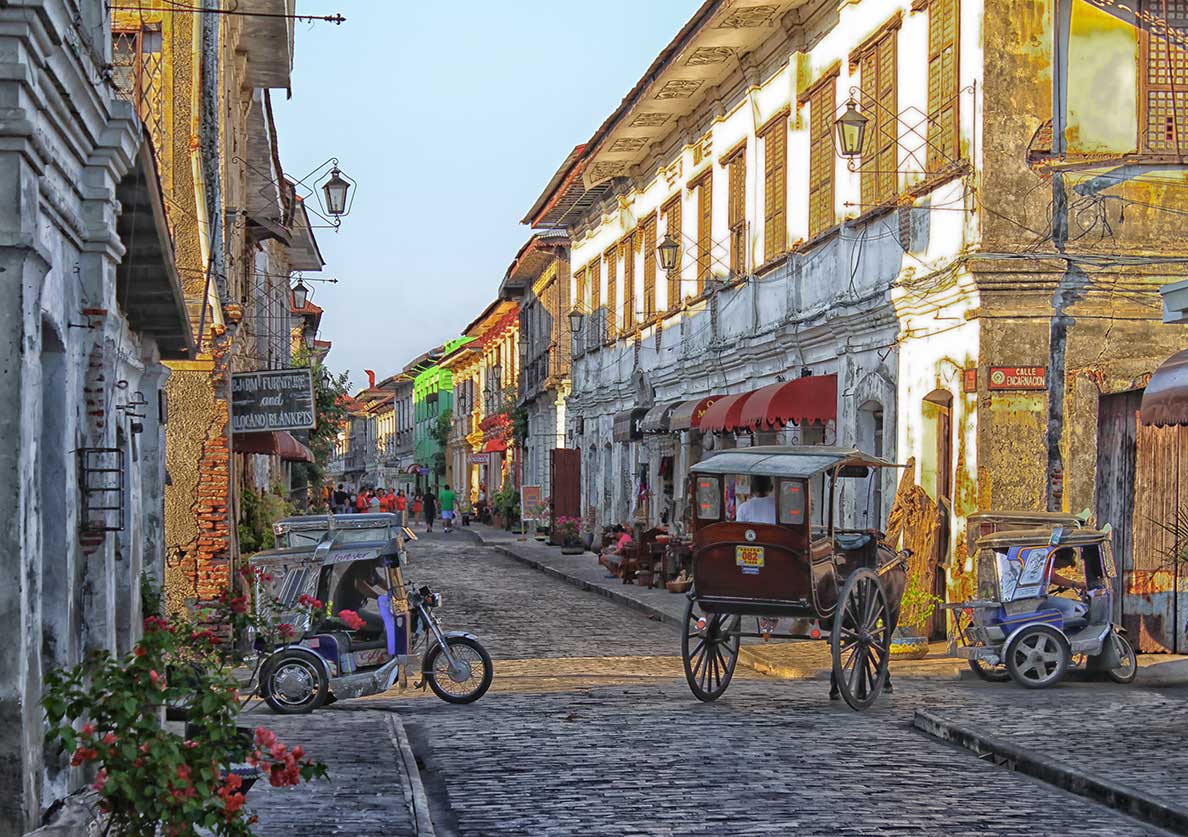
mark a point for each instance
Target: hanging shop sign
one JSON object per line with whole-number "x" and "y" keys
{"x": 969, "y": 380}
{"x": 280, "y": 399}
{"x": 480, "y": 459}
{"x": 1018, "y": 378}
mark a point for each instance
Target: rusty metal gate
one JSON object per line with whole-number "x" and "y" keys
{"x": 565, "y": 471}
{"x": 1142, "y": 482}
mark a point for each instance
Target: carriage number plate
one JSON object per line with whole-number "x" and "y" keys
{"x": 750, "y": 558}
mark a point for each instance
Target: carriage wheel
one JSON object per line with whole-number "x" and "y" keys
{"x": 860, "y": 639}
{"x": 710, "y": 652}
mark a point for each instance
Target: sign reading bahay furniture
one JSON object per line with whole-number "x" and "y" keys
{"x": 1018, "y": 377}
{"x": 280, "y": 399}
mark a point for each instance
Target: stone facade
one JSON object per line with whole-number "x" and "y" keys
{"x": 82, "y": 357}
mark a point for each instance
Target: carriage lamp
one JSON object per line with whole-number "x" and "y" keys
{"x": 851, "y": 130}
{"x": 576, "y": 317}
{"x": 669, "y": 252}
{"x": 335, "y": 189}
{"x": 300, "y": 295}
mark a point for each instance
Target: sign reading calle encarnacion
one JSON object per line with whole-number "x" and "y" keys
{"x": 281, "y": 399}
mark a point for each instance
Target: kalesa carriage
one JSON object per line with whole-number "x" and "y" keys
{"x": 822, "y": 581}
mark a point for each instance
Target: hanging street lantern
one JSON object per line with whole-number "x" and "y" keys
{"x": 669, "y": 252}
{"x": 576, "y": 318}
{"x": 851, "y": 131}
{"x": 300, "y": 295}
{"x": 335, "y": 190}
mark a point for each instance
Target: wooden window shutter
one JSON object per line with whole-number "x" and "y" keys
{"x": 627, "y": 248}
{"x": 672, "y": 227}
{"x": 612, "y": 293}
{"x": 775, "y": 190}
{"x": 880, "y": 154}
{"x": 942, "y": 83}
{"x": 822, "y": 104}
{"x": 736, "y": 211}
{"x": 649, "y": 265}
{"x": 1163, "y": 82}
{"x": 705, "y": 218}
{"x": 597, "y": 316}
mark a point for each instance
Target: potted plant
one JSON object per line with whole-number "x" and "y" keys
{"x": 908, "y": 642}
{"x": 567, "y": 530}
{"x": 540, "y": 513}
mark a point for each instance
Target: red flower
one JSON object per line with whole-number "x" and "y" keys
{"x": 352, "y": 619}
{"x": 285, "y": 630}
{"x": 88, "y": 728}
{"x": 265, "y": 737}
{"x": 100, "y": 780}
{"x": 139, "y": 651}
{"x": 157, "y": 680}
{"x": 110, "y": 739}
{"x": 156, "y": 623}
{"x": 83, "y": 755}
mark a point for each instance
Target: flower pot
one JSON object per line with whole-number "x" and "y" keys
{"x": 908, "y": 644}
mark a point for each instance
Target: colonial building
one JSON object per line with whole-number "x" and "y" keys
{"x": 201, "y": 83}
{"x": 896, "y": 299}
{"x": 93, "y": 306}
{"x": 539, "y": 279}
{"x": 484, "y": 365}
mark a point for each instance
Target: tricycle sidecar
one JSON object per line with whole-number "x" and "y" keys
{"x": 1024, "y": 626}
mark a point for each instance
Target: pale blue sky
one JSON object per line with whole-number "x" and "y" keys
{"x": 452, "y": 116}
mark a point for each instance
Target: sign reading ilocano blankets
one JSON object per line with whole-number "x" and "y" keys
{"x": 1018, "y": 377}
{"x": 280, "y": 399}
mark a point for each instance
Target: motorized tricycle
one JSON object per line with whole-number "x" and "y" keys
{"x": 1044, "y": 604}
{"x": 373, "y": 629}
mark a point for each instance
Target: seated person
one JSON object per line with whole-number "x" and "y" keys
{"x": 613, "y": 554}
{"x": 761, "y": 508}
{"x": 1065, "y": 558}
{"x": 359, "y": 590}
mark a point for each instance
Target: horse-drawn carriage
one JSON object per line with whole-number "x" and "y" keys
{"x": 785, "y": 562}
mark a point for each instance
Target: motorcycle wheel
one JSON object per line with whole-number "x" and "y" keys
{"x": 473, "y": 677}
{"x": 989, "y": 673}
{"x": 1127, "y": 670}
{"x": 294, "y": 683}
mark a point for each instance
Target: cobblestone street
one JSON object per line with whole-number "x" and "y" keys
{"x": 590, "y": 729}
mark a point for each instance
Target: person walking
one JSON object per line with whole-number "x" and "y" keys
{"x": 418, "y": 506}
{"x": 429, "y": 501}
{"x": 361, "y": 503}
{"x": 400, "y": 506}
{"x": 341, "y": 498}
{"x": 448, "y": 500}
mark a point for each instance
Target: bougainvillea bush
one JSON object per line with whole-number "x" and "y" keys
{"x": 108, "y": 714}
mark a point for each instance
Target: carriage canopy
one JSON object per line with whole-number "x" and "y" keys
{"x": 792, "y": 461}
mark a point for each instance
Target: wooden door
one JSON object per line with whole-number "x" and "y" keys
{"x": 1113, "y": 495}
{"x": 565, "y": 470}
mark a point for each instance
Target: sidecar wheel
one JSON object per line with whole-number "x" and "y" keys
{"x": 294, "y": 683}
{"x": 1128, "y": 667}
{"x": 472, "y": 677}
{"x": 1038, "y": 657}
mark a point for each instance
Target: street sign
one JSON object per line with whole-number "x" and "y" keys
{"x": 480, "y": 459}
{"x": 969, "y": 380}
{"x": 281, "y": 399}
{"x": 529, "y": 501}
{"x": 1018, "y": 378}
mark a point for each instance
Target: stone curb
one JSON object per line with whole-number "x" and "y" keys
{"x": 1120, "y": 797}
{"x": 418, "y": 800}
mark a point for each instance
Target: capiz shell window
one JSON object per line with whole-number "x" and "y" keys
{"x": 709, "y": 498}
{"x": 792, "y": 502}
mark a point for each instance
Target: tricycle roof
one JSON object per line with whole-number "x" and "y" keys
{"x": 798, "y": 461}
{"x": 1053, "y": 535}
{"x": 1028, "y": 519}
{"x": 341, "y": 521}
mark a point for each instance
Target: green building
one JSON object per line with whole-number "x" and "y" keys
{"x": 433, "y": 394}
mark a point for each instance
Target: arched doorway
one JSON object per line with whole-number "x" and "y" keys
{"x": 869, "y": 507}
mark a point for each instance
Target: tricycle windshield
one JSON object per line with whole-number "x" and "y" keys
{"x": 1023, "y": 571}
{"x": 312, "y": 537}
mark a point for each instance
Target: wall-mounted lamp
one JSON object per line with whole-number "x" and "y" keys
{"x": 576, "y": 318}
{"x": 669, "y": 252}
{"x": 300, "y": 295}
{"x": 850, "y": 129}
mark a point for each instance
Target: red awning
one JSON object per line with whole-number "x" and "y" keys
{"x": 1165, "y": 401}
{"x": 495, "y": 446}
{"x": 725, "y": 414}
{"x": 275, "y": 443}
{"x": 687, "y": 416}
{"x": 809, "y": 399}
